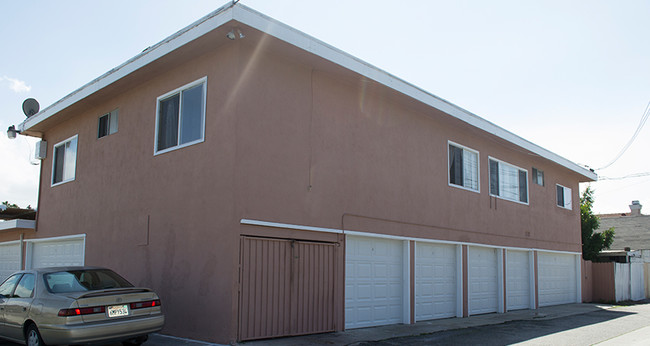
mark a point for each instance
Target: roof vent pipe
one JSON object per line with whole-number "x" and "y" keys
{"x": 635, "y": 208}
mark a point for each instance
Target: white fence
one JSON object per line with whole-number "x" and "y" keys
{"x": 630, "y": 281}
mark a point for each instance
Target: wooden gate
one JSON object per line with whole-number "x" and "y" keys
{"x": 287, "y": 287}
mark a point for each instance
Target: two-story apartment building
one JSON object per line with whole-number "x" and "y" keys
{"x": 267, "y": 184}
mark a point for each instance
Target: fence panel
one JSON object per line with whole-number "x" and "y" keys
{"x": 622, "y": 275}
{"x": 637, "y": 282}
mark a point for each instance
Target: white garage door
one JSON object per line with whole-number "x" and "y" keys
{"x": 517, "y": 280}
{"x": 9, "y": 259}
{"x": 557, "y": 279}
{"x": 373, "y": 282}
{"x": 55, "y": 253}
{"x": 436, "y": 282}
{"x": 483, "y": 280}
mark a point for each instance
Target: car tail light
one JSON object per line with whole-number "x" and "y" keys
{"x": 147, "y": 304}
{"x": 81, "y": 311}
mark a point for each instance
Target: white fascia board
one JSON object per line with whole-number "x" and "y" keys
{"x": 149, "y": 55}
{"x": 301, "y": 40}
{"x": 17, "y": 224}
{"x": 289, "y": 226}
{"x": 61, "y": 238}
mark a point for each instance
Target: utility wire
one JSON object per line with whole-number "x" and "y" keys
{"x": 635, "y": 175}
{"x": 644, "y": 118}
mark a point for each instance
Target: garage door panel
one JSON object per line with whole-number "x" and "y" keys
{"x": 9, "y": 259}
{"x": 374, "y": 285}
{"x": 518, "y": 280}
{"x": 435, "y": 280}
{"x": 56, "y": 253}
{"x": 286, "y": 287}
{"x": 483, "y": 280}
{"x": 557, "y": 279}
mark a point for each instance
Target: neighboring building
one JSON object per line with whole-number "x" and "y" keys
{"x": 15, "y": 221}
{"x": 267, "y": 184}
{"x": 631, "y": 235}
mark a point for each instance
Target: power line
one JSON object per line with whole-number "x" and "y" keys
{"x": 635, "y": 175}
{"x": 644, "y": 118}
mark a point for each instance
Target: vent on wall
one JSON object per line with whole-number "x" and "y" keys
{"x": 40, "y": 153}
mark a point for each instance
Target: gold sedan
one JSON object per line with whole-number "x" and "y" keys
{"x": 76, "y": 305}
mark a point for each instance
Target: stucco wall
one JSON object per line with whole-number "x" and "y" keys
{"x": 329, "y": 149}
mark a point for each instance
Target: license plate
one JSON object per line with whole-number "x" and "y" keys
{"x": 118, "y": 310}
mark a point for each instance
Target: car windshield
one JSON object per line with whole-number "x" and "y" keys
{"x": 84, "y": 280}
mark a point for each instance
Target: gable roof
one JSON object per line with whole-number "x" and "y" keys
{"x": 629, "y": 231}
{"x": 247, "y": 16}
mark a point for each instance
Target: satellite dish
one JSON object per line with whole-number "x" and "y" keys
{"x": 30, "y": 107}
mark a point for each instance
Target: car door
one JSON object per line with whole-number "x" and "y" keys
{"x": 17, "y": 308}
{"x": 6, "y": 291}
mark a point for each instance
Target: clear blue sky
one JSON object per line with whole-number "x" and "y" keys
{"x": 570, "y": 76}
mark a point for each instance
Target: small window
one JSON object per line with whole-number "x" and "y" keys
{"x": 538, "y": 177}
{"x": 25, "y": 287}
{"x": 107, "y": 124}
{"x": 564, "y": 197}
{"x": 508, "y": 181}
{"x": 65, "y": 161}
{"x": 463, "y": 167}
{"x": 180, "y": 119}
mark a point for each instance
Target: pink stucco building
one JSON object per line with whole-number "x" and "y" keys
{"x": 268, "y": 184}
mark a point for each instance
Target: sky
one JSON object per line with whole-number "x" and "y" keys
{"x": 570, "y": 76}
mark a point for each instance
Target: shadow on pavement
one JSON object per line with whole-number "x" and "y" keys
{"x": 505, "y": 333}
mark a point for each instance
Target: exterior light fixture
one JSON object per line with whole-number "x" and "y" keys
{"x": 11, "y": 132}
{"x": 235, "y": 34}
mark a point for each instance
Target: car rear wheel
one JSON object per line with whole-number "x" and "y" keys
{"x": 33, "y": 337}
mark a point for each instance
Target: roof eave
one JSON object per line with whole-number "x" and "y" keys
{"x": 303, "y": 41}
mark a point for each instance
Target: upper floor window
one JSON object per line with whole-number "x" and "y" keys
{"x": 508, "y": 181}
{"x": 563, "y": 197}
{"x": 463, "y": 167}
{"x": 64, "y": 162}
{"x": 538, "y": 176}
{"x": 107, "y": 124}
{"x": 180, "y": 119}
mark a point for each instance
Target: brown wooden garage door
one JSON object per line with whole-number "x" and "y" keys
{"x": 287, "y": 287}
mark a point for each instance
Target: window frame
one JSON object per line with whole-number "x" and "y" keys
{"x": 564, "y": 191}
{"x": 18, "y": 285}
{"x": 536, "y": 174}
{"x": 18, "y": 276}
{"x": 201, "y": 81}
{"x": 76, "y": 152}
{"x": 478, "y": 167}
{"x": 500, "y": 162}
{"x": 114, "y": 114}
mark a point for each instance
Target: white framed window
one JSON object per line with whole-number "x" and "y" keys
{"x": 107, "y": 124}
{"x": 563, "y": 197}
{"x": 180, "y": 117}
{"x": 538, "y": 176}
{"x": 463, "y": 167}
{"x": 508, "y": 181}
{"x": 64, "y": 162}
